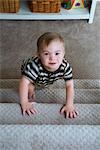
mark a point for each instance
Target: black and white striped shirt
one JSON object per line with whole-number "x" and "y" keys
{"x": 33, "y": 69}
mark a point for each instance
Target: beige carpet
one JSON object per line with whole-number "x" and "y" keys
{"x": 49, "y": 130}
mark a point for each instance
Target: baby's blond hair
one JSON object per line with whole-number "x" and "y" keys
{"x": 46, "y": 38}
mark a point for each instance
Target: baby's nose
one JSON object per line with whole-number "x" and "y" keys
{"x": 52, "y": 57}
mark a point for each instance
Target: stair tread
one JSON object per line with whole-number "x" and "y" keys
{"x": 54, "y": 95}
{"x": 49, "y": 114}
{"x": 49, "y": 137}
{"x": 78, "y": 83}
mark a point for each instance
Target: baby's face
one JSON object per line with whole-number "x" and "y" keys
{"x": 52, "y": 55}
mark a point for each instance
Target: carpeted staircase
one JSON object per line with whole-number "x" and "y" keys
{"x": 49, "y": 130}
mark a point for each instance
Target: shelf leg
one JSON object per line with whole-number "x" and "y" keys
{"x": 92, "y": 11}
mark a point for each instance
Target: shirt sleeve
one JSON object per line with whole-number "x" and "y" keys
{"x": 68, "y": 72}
{"x": 30, "y": 69}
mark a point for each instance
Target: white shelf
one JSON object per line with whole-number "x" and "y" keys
{"x": 25, "y": 14}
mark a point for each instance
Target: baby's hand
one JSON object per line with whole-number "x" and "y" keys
{"x": 69, "y": 111}
{"x": 28, "y": 108}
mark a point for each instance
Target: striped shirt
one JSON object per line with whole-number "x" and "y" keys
{"x": 33, "y": 69}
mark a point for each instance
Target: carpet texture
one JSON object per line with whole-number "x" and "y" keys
{"x": 48, "y": 129}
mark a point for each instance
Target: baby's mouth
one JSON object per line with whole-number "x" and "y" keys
{"x": 52, "y": 63}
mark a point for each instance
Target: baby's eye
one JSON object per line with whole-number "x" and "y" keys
{"x": 46, "y": 53}
{"x": 57, "y": 53}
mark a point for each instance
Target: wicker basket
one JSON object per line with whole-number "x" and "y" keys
{"x": 45, "y": 6}
{"x": 9, "y": 6}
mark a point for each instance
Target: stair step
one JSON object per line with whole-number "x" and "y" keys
{"x": 53, "y": 95}
{"x": 49, "y": 137}
{"x": 81, "y": 84}
{"x": 89, "y": 114}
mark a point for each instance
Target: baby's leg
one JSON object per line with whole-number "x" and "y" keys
{"x": 31, "y": 92}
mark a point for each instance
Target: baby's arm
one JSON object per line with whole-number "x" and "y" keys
{"x": 68, "y": 108}
{"x": 26, "y": 106}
